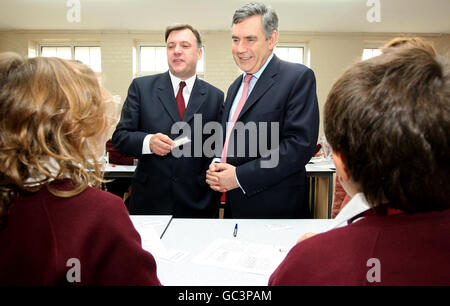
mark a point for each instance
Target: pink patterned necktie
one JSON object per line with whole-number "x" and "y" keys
{"x": 239, "y": 107}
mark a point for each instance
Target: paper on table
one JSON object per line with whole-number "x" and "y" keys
{"x": 181, "y": 141}
{"x": 153, "y": 244}
{"x": 278, "y": 227}
{"x": 242, "y": 256}
{"x": 326, "y": 163}
{"x": 316, "y": 160}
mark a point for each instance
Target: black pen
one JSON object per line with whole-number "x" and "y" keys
{"x": 235, "y": 230}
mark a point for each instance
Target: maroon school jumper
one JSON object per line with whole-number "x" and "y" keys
{"x": 412, "y": 249}
{"x": 46, "y": 234}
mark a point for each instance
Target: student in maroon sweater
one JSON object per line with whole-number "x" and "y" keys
{"x": 387, "y": 120}
{"x": 55, "y": 228}
{"x": 341, "y": 198}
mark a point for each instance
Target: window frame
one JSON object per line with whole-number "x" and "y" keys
{"x": 371, "y": 47}
{"x": 294, "y": 45}
{"x": 285, "y": 45}
{"x": 159, "y": 45}
{"x": 138, "y": 58}
{"x": 72, "y": 48}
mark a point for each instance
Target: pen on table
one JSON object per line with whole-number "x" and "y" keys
{"x": 235, "y": 230}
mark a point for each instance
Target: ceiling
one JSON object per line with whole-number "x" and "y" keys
{"x": 418, "y": 16}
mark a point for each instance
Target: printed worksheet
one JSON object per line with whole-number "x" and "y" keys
{"x": 243, "y": 256}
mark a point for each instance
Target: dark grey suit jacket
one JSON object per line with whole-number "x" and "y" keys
{"x": 167, "y": 185}
{"x": 285, "y": 94}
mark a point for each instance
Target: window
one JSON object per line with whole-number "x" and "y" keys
{"x": 370, "y": 52}
{"x": 61, "y": 52}
{"x": 290, "y": 53}
{"x": 152, "y": 59}
{"x": 293, "y": 54}
{"x": 89, "y": 55}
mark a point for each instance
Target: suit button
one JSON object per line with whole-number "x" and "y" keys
{"x": 174, "y": 179}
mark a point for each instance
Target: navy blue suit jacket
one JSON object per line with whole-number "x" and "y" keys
{"x": 166, "y": 184}
{"x": 285, "y": 94}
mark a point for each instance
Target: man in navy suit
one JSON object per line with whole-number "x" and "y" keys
{"x": 282, "y": 95}
{"x": 164, "y": 183}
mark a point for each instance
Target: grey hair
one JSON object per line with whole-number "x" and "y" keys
{"x": 269, "y": 17}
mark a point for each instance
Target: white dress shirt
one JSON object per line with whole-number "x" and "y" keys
{"x": 357, "y": 205}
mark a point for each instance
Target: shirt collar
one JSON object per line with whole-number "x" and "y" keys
{"x": 176, "y": 82}
{"x": 257, "y": 74}
{"x": 52, "y": 166}
{"x": 354, "y": 207}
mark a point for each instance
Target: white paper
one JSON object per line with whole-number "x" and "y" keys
{"x": 119, "y": 168}
{"x": 243, "y": 256}
{"x": 181, "y": 141}
{"x": 152, "y": 243}
{"x": 321, "y": 159}
{"x": 278, "y": 227}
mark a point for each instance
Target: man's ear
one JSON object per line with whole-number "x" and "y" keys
{"x": 199, "y": 54}
{"x": 273, "y": 39}
{"x": 350, "y": 187}
{"x": 341, "y": 166}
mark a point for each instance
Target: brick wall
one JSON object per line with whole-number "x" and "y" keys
{"x": 330, "y": 53}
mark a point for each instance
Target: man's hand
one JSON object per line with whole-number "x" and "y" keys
{"x": 161, "y": 144}
{"x": 221, "y": 177}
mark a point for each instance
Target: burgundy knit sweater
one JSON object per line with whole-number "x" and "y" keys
{"x": 87, "y": 239}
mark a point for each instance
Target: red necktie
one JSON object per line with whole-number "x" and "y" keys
{"x": 180, "y": 100}
{"x": 239, "y": 107}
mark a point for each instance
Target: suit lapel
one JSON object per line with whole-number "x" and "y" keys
{"x": 230, "y": 98}
{"x": 196, "y": 99}
{"x": 166, "y": 97}
{"x": 266, "y": 80}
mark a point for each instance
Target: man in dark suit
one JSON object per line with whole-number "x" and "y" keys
{"x": 268, "y": 184}
{"x": 157, "y": 108}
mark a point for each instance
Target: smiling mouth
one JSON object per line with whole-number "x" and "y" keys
{"x": 244, "y": 59}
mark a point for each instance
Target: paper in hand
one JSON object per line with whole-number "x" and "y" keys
{"x": 181, "y": 141}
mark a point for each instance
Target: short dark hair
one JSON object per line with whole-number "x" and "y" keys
{"x": 389, "y": 118}
{"x": 178, "y": 27}
{"x": 268, "y": 15}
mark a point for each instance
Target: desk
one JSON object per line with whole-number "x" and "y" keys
{"x": 116, "y": 171}
{"x": 159, "y": 223}
{"x": 321, "y": 169}
{"x": 315, "y": 171}
{"x": 194, "y": 235}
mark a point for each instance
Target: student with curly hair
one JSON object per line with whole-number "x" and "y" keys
{"x": 56, "y": 228}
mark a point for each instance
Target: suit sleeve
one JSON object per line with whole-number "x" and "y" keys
{"x": 127, "y": 138}
{"x": 297, "y": 139}
{"x": 219, "y": 98}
